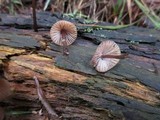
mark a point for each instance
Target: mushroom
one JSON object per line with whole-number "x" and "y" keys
{"x": 107, "y": 55}
{"x": 63, "y": 33}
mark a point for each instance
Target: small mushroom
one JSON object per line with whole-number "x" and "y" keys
{"x": 107, "y": 55}
{"x": 63, "y": 33}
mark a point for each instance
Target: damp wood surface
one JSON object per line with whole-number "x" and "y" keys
{"x": 75, "y": 90}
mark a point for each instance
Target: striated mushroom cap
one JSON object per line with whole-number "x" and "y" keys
{"x": 103, "y": 64}
{"x": 63, "y": 32}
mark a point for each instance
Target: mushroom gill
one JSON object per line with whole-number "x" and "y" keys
{"x": 107, "y": 55}
{"x": 63, "y": 33}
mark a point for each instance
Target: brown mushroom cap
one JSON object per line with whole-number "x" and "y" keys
{"x": 105, "y": 48}
{"x": 63, "y": 31}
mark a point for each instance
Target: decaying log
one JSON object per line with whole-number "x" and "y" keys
{"x": 71, "y": 85}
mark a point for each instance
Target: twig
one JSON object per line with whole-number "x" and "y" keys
{"x": 94, "y": 26}
{"x": 34, "y": 15}
{"x": 43, "y": 99}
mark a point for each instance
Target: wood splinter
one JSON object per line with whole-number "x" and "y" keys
{"x": 43, "y": 99}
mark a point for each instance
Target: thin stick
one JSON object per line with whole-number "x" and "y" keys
{"x": 34, "y": 15}
{"x": 43, "y": 99}
{"x": 106, "y": 27}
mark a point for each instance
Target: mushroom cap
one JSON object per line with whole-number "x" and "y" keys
{"x": 63, "y": 31}
{"x": 105, "y": 48}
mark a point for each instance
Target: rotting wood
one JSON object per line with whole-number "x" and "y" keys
{"x": 76, "y": 91}
{"x": 18, "y": 41}
{"x": 132, "y": 91}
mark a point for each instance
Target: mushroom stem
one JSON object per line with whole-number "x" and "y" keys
{"x": 122, "y": 56}
{"x": 155, "y": 69}
{"x": 65, "y": 48}
{"x": 34, "y": 15}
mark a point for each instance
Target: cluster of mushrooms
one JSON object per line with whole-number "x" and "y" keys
{"x": 107, "y": 55}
